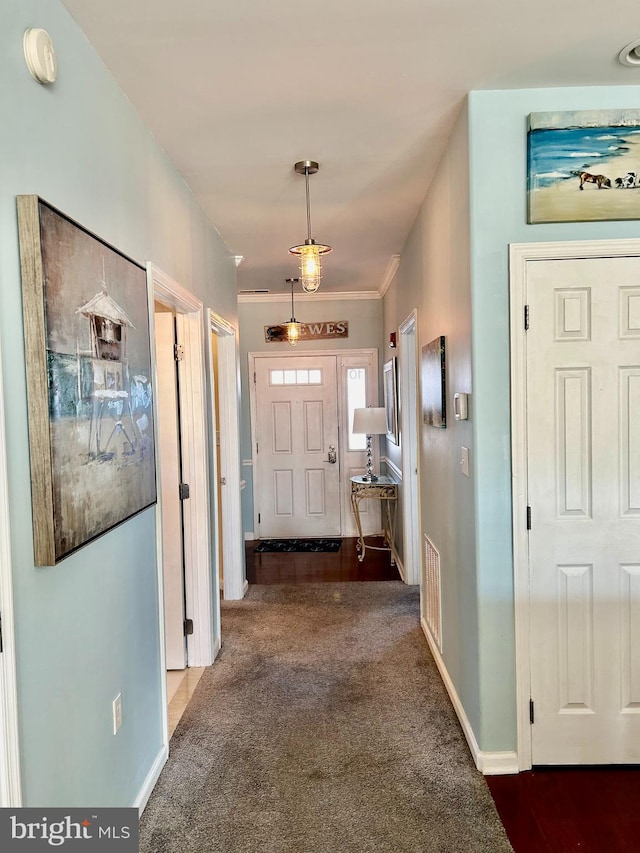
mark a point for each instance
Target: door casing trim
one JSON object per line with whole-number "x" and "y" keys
{"x": 520, "y": 254}
{"x": 10, "y": 776}
{"x": 410, "y": 427}
{"x": 234, "y": 573}
{"x": 198, "y": 571}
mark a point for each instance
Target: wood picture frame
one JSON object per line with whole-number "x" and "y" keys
{"x": 434, "y": 386}
{"x": 88, "y": 366}
{"x": 390, "y": 388}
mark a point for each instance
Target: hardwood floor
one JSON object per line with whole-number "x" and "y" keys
{"x": 562, "y": 810}
{"x": 320, "y": 567}
{"x": 555, "y": 810}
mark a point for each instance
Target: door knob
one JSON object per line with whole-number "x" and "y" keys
{"x": 332, "y": 456}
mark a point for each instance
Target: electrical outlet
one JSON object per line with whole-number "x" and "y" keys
{"x": 117, "y": 713}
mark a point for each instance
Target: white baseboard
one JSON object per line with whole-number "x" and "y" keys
{"x": 152, "y": 777}
{"x": 248, "y": 537}
{"x": 488, "y": 763}
{"x": 217, "y": 645}
{"x": 245, "y": 588}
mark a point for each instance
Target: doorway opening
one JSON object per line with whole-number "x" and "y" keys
{"x": 189, "y": 613}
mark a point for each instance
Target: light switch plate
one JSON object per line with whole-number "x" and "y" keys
{"x": 464, "y": 461}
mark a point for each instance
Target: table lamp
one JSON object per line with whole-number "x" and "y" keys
{"x": 371, "y": 421}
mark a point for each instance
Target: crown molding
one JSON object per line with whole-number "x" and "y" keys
{"x": 392, "y": 269}
{"x": 323, "y": 296}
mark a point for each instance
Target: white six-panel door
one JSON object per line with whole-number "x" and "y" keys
{"x": 297, "y": 436}
{"x": 583, "y": 458}
{"x": 169, "y": 446}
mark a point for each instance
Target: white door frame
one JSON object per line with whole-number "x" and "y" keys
{"x": 409, "y": 432}
{"x": 201, "y": 645}
{"x": 234, "y": 572}
{"x": 519, "y": 255}
{"x": 10, "y": 783}
{"x": 372, "y": 400}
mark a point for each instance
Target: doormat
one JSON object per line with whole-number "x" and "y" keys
{"x": 272, "y": 546}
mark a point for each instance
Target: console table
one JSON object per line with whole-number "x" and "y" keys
{"x": 384, "y": 489}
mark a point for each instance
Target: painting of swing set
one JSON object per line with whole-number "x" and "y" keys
{"x": 91, "y": 430}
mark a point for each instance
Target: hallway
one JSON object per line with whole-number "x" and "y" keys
{"x": 323, "y": 726}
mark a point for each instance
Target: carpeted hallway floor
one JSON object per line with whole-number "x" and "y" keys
{"x": 323, "y": 727}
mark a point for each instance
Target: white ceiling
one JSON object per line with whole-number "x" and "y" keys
{"x": 237, "y": 91}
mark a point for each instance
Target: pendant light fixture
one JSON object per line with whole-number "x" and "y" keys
{"x": 309, "y": 251}
{"x": 292, "y": 327}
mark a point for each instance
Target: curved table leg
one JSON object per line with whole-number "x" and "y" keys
{"x": 360, "y": 545}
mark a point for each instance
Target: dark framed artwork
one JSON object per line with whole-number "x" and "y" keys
{"x": 391, "y": 399}
{"x": 583, "y": 165}
{"x": 434, "y": 407}
{"x": 88, "y": 361}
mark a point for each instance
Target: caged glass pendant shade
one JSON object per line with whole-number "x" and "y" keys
{"x": 293, "y": 326}
{"x": 309, "y": 251}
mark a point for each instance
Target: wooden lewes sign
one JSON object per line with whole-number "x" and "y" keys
{"x": 309, "y": 331}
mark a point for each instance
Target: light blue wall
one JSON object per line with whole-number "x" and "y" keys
{"x": 434, "y": 277}
{"x": 87, "y": 629}
{"x": 497, "y": 128}
{"x": 365, "y": 331}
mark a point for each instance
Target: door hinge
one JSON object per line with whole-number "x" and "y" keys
{"x": 178, "y": 352}
{"x": 258, "y": 518}
{"x": 526, "y": 317}
{"x": 188, "y": 627}
{"x": 254, "y": 377}
{"x": 531, "y": 712}
{"x": 256, "y": 446}
{"x": 528, "y": 518}
{"x": 183, "y": 491}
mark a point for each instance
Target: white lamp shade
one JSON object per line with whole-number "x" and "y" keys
{"x": 370, "y": 421}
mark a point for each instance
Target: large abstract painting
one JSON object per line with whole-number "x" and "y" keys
{"x": 584, "y": 165}
{"x": 91, "y": 430}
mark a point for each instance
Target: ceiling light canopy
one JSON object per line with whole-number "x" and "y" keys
{"x": 292, "y": 327}
{"x": 309, "y": 251}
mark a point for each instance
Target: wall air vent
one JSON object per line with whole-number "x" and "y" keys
{"x": 431, "y": 603}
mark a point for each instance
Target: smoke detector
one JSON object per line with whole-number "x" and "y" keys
{"x": 40, "y": 55}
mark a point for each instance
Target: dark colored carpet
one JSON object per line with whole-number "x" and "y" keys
{"x": 323, "y": 727}
{"x": 274, "y": 546}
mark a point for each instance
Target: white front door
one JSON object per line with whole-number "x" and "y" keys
{"x": 583, "y": 434}
{"x": 297, "y": 454}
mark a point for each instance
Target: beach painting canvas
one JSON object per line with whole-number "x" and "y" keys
{"x": 584, "y": 166}
{"x": 91, "y": 432}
